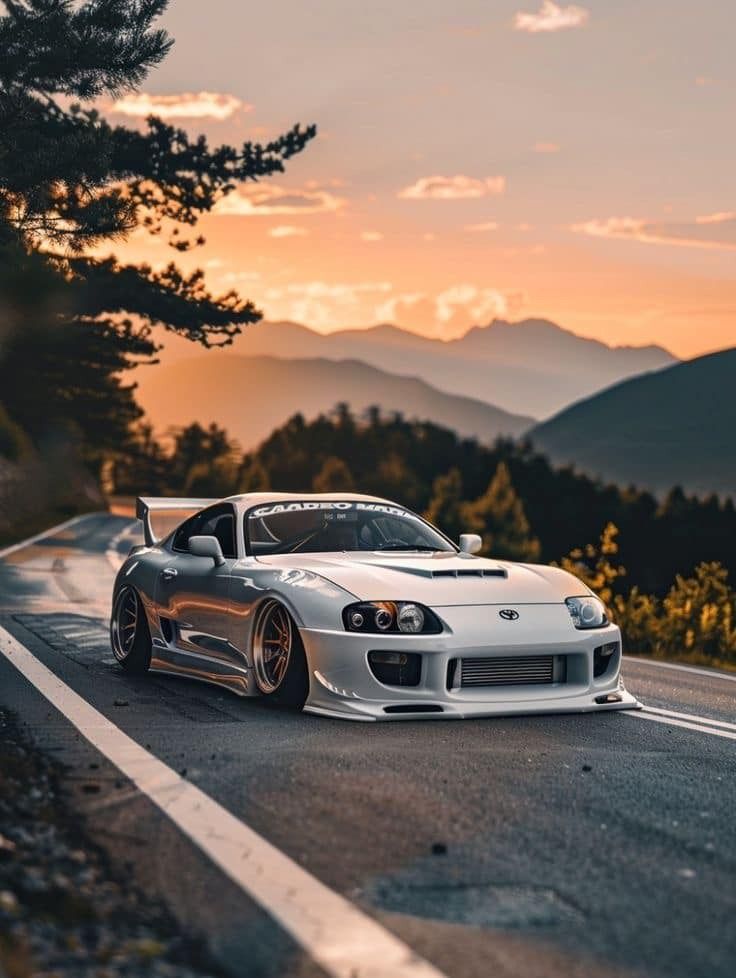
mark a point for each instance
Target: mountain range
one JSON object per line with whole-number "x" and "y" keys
{"x": 631, "y": 415}
{"x": 673, "y": 427}
{"x": 532, "y": 367}
{"x": 250, "y": 396}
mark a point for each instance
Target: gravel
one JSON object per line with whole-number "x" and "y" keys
{"x": 64, "y": 913}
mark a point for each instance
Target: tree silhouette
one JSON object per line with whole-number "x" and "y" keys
{"x": 595, "y": 565}
{"x": 253, "y": 476}
{"x": 334, "y": 476}
{"x": 446, "y": 507}
{"x": 70, "y": 181}
{"x": 205, "y": 460}
{"x": 498, "y": 516}
{"x": 144, "y": 463}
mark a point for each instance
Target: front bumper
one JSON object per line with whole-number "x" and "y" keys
{"x": 343, "y": 685}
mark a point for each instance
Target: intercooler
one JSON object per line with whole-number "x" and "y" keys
{"x": 528, "y": 670}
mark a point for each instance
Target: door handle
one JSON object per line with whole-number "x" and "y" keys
{"x": 169, "y": 573}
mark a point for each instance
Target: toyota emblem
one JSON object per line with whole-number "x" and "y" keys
{"x": 508, "y": 614}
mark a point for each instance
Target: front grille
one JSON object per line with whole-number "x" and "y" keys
{"x": 530, "y": 670}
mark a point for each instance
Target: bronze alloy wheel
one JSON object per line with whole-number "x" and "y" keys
{"x": 124, "y": 623}
{"x": 129, "y": 633}
{"x": 272, "y": 646}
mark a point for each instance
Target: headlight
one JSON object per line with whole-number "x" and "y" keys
{"x": 391, "y": 616}
{"x": 410, "y": 618}
{"x": 587, "y": 612}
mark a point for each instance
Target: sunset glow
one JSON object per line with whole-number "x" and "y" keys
{"x": 515, "y": 160}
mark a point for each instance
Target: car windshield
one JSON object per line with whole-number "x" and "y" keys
{"x": 318, "y": 526}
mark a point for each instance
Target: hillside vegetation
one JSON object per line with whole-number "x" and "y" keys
{"x": 673, "y": 426}
{"x": 659, "y": 565}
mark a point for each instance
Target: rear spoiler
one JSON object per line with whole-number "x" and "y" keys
{"x": 145, "y": 505}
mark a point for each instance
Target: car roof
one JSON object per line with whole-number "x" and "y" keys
{"x": 247, "y": 499}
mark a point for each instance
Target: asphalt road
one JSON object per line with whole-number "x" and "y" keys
{"x": 582, "y": 845}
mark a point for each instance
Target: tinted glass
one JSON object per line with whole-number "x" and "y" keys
{"x": 328, "y": 527}
{"x": 217, "y": 521}
{"x": 188, "y": 529}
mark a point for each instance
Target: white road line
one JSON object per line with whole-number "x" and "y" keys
{"x": 112, "y": 553}
{"x": 686, "y": 725}
{"x": 52, "y": 531}
{"x": 710, "y": 673}
{"x": 339, "y": 937}
{"x": 691, "y": 718}
{"x": 76, "y": 636}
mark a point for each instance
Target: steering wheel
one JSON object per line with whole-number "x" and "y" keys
{"x": 394, "y": 543}
{"x": 291, "y": 546}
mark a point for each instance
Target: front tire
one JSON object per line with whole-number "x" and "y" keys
{"x": 129, "y": 633}
{"x": 279, "y": 660}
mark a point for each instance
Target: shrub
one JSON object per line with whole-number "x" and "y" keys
{"x": 14, "y": 442}
{"x": 593, "y": 565}
{"x": 698, "y": 617}
{"x": 696, "y": 621}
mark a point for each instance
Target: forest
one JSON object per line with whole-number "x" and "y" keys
{"x": 658, "y": 564}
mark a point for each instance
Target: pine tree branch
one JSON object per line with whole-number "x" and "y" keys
{"x": 180, "y": 303}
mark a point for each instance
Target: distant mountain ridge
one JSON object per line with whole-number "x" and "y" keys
{"x": 673, "y": 427}
{"x": 252, "y": 395}
{"x": 533, "y": 367}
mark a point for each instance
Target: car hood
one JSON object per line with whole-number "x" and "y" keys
{"x": 437, "y": 580}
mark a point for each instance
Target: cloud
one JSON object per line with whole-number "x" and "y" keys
{"x": 185, "y": 105}
{"x": 236, "y": 278}
{"x": 325, "y": 305}
{"x": 392, "y": 309}
{"x": 543, "y": 147}
{"x": 720, "y": 217}
{"x": 710, "y": 231}
{"x": 287, "y": 231}
{"x": 458, "y": 187}
{"x": 551, "y": 17}
{"x": 371, "y": 236}
{"x": 485, "y": 226}
{"x": 447, "y": 312}
{"x": 266, "y": 199}
{"x": 340, "y": 291}
{"x": 481, "y": 304}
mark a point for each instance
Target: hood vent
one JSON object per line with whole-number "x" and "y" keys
{"x": 495, "y": 572}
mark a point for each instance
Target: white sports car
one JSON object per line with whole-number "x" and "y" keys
{"x": 351, "y": 606}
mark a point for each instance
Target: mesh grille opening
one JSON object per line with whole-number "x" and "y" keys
{"x": 530, "y": 670}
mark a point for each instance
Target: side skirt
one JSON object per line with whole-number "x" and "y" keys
{"x": 189, "y": 665}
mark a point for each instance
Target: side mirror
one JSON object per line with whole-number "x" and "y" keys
{"x": 207, "y": 547}
{"x": 470, "y": 543}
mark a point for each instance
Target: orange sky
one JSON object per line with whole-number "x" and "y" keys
{"x": 537, "y": 160}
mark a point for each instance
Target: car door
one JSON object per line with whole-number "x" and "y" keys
{"x": 193, "y": 592}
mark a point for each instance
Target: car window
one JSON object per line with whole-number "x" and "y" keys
{"x": 220, "y": 523}
{"x": 216, "y": 521}
{"x": 328, "y": 526}
{"x": 188, "y": 529}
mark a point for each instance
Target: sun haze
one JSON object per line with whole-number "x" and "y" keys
{"x": 521, "y": 158}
